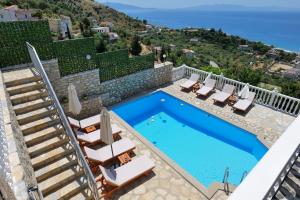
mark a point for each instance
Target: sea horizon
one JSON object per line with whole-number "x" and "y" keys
{"x": 280, "y": 29}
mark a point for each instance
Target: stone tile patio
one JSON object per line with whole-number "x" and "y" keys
{"x": 165, "y": 182}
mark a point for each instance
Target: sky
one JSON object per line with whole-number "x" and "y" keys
{"x": 189, "y": 3}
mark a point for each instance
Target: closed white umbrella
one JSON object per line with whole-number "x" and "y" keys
{"x": 244, "y": 93}
{"x": 74, "y": 103}
{"x": 207, "y": 78}
{"x": 106, "y": 131}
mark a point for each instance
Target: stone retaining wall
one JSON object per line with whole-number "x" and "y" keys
{"x": 16, "y": 172}
{"x": 87, "y": 86}
{"x": 135, "y": 83}
{"x": 106, "y": 93}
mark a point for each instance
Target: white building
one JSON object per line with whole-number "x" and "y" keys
{"x": 194, "y": 40}
{"x": 188, "y": 53}
{"x": 13, "y": 13}
{"x": 100, "y": 29}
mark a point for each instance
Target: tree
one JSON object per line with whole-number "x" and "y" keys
{"x": 101, "y": 47}
{"x": 162, "y": 53}
{"x": 145, "y": 21}
{"x": 136, "y": 47}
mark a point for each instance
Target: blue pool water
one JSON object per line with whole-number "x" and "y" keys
{"x": 200, "y": 143}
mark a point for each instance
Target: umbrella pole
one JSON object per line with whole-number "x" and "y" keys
{"x": 112, "y": 152}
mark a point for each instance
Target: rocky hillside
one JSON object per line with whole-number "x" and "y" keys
{"x": 78, "y": 10}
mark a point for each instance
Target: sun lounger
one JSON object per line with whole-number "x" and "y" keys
{"x": 104, "y": 154}
{"x": 244, "y": 104}
{"x": 226, "y": 92}
{"x": 207, "y": 88}
{"x": 95, "y": 136}
{"x": 191, "y": 82}
{"x": 127, "y": 173}
{"x": 84, "y": 123}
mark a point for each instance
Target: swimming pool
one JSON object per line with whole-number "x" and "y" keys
{"x": 200, "y": 143}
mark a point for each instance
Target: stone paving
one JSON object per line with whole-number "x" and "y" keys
{"x": 165, "y": 182}
{"x": 265, "y": 122}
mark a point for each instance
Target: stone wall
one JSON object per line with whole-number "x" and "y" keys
{"x": 127, "y": 86}
{"x": 106, "y": 93}
{"x": 178, "y": 73}
{"x": 16, "y": 172}
{"x": 87, "y": 86}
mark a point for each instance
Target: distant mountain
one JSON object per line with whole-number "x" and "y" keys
{"x": 125, "y": 7}
{"x": 229, "y": 7}
{"x": 213, "y": 7}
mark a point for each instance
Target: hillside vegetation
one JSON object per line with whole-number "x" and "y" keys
{"x": 78, "y": 10}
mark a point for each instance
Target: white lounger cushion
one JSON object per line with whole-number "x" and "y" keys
{"x": 90, "y": 121}
{"x": 85, "y": 122}
{"x": 74, "y": 122}
{"x": 221, "y": 96}
{"x": 127, "y": 172}
{"x": 188, "y": 84}
{"x": 209, "y": 86}
{"x": 96, "y": 135}
{"x": 192, "y": 81}
{"x": 224, "y": 94}
{"x": 104, "y": 154}
{"x": 243, "y": 104}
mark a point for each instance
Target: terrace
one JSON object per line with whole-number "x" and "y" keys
{"x": 28, "y": 135}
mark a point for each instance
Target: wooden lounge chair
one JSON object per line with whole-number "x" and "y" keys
{"x": 121, "y": 176}
{"x": 104, "y": 154}
{"x": 244, "y": 104}
{"x": 226, "y": 92}
{"x": 207, "y": 88}
{"x": 95, "y": 136}
{"x": 191, "y": 82}
{"x": 84, "y": 123}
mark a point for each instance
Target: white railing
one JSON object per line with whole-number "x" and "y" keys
{"x": 272, "y": 99}
{"x": 266, "y": 177}
{"x": 81, "y": 159}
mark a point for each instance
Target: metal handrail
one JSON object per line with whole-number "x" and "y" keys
{"x": 39, "y": 67}
{"x": 225, "y": 180}
{"x": 244, "y": 176}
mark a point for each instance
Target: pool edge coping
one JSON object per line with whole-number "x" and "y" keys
{"x": 207, "y": 192}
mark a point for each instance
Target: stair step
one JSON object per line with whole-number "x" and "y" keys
{"x": 44, "y": 138}
{"x": 61, "y": 184}
{"x": 56, "y": 171}
{"x": 40, "y": 127}
{"x": 293, "y": 185}
{"x": 28, "y": 98}
{"x": 76, "y": 191}
{"x": 22, "y": 81}
{"x": 53, "y": 159}
{"x": 33, "y": 107}
{"x": 48, "y": 148}
{"x": 25, "y": 89}
{"x": 285, "y": 192}
{"x": 36, "y": 117}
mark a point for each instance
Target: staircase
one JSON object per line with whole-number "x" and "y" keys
{"x": 290, "y": 188}
{"x": 54, "y": 160}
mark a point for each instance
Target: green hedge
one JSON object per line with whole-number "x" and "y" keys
{"x": 117, "y": 64}
{"x": 13, "y": 38}
{"x": 72, "y": 55}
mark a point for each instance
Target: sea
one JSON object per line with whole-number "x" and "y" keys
{"x": 278, "y": 28}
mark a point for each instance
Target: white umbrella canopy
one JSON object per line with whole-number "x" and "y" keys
{"x": 74, "y": 103}
{"x": 106, "y": 131}
{"x": 244, "y": 93}
{"x": 207, "y": 78}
